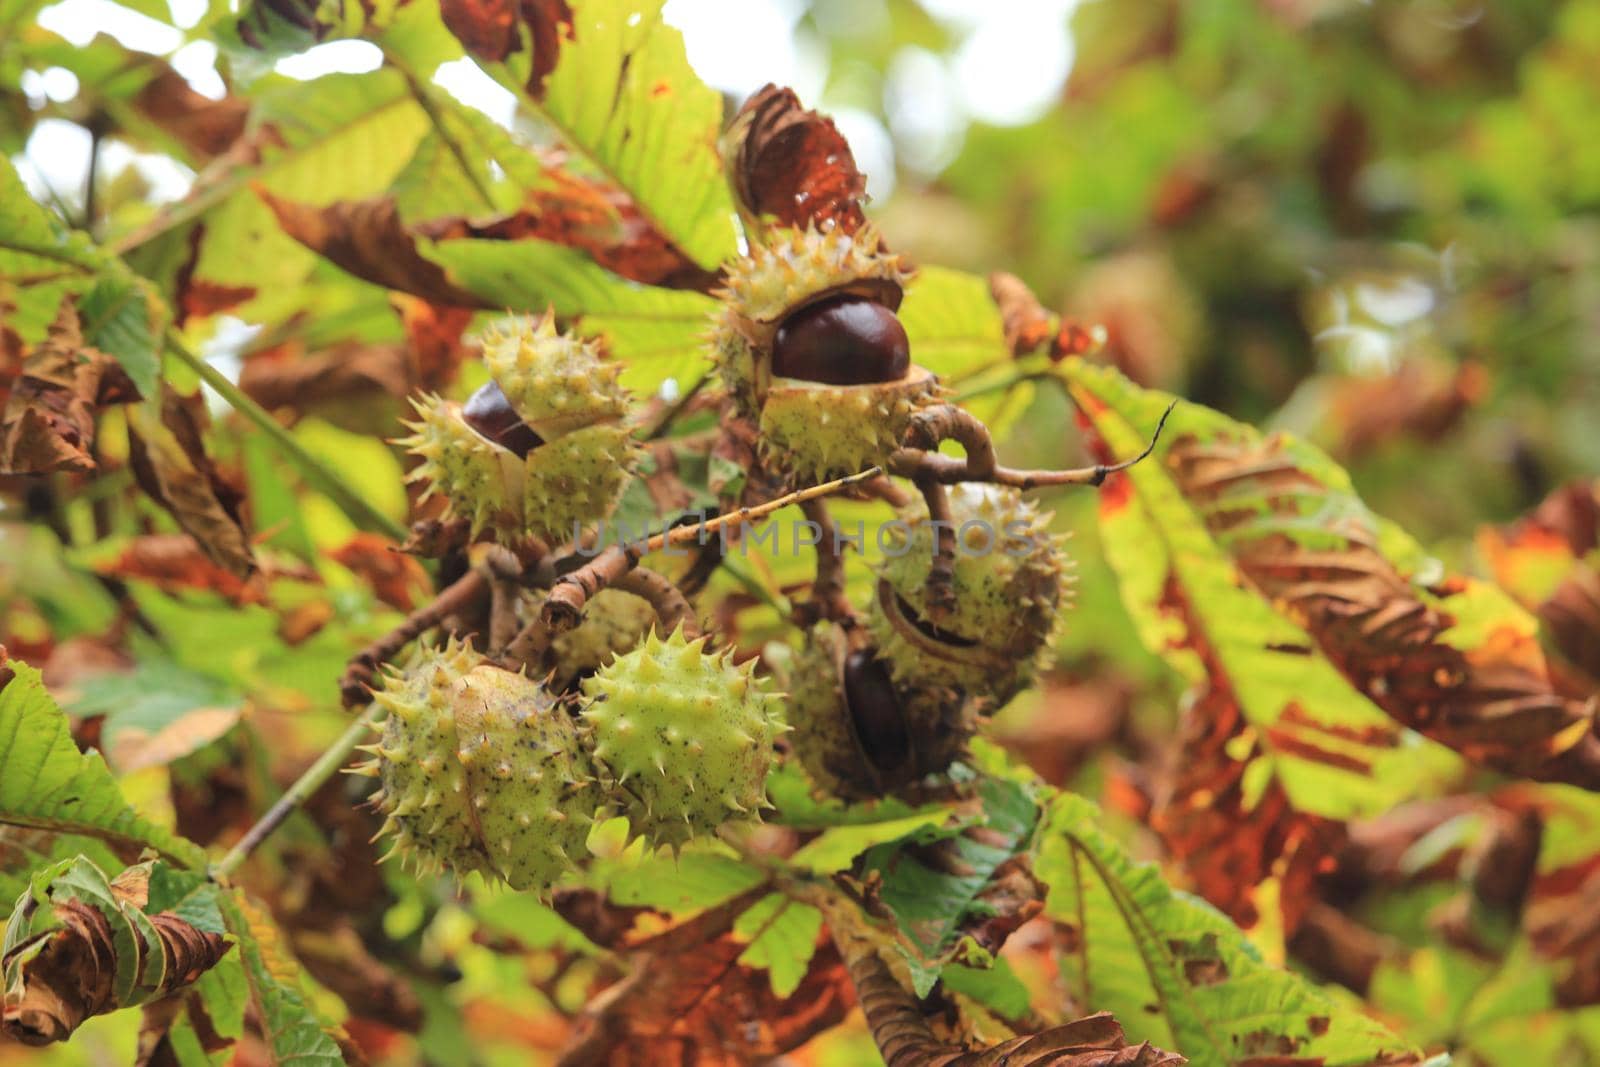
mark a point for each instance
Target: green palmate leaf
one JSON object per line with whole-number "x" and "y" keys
{"x": 40, "y": 258}
{"x": 156, "y": 713}
{"x": 657, "y": 332}
{"x": 783, "y": 936}
{"x": 292, "y": 1030}
{"x": 1176, "y": 972}
{"x": 623, "y": 95}
{"x": 339, "y": 137}
{"x": 1334, "y": 752}
{"x": 952, "y": 322}
{"x": 24, "y": 850}
{"x": 79, "y": 943}
{"x": 699, "y": 878}
{"x": 936, "y": 892}
{"x": 46, "y": 783}
{"x": 1339, "y": 613}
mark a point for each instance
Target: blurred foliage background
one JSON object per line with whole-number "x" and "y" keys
{"x": 1373, "y": 224}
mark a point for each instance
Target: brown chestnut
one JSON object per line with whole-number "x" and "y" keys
{"x": 491, "y": 414}
{"x": 845, "y": 340}
{"x": 874, "y": 708}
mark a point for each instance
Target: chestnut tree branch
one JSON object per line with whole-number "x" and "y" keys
{"x": 355, "y": 685}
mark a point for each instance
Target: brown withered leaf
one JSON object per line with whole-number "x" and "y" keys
{"x": 49, "y": 419}
{"x": 1545, "y": 560}
{"x": 792, "y": 164}
{"x": 1493, "y": 703}
{"x": 205, "y": 127}
{"x": 905, "y": 1038}
{"x": 434, "y": 334}
{"x": 176, "y": 561}
{"x": 1419, "y": 400}
{"x": 1230, "y": 843}
{"x": 368, "y": 239}
{"x": 357, "y": 386}
{"x": 197, "y": 298}
{"x": 494, "y": 29}
{"x": 596, "y": 218}
{"x": 688, "y": 1002}
{"x": 1030, "y": 328}
{"x": 396, "y": 578}
{"x": 169, "y": 460}
{"x": 69, "y": 970}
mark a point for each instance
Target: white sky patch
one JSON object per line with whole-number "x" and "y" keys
{"x": 79, "y": 20}
{"x": 873, "y": 148}
{"x": 739, "y": 47}
{"x": 466, "y": 81}
{"x": 197, "y": 62}
{"x": 334, "y": 57}
{"x": 1012, "y": 65}
{"x": 925, "y": 109}
{"x": 58, "y": 152}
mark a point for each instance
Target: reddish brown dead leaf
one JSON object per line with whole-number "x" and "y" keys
{"x": 792, "y": 164}
{"x": 205, "y": 127}
{"x": 1229, "y": 846}
{"x": 1493, "y": 703}
{"x": 1545, "y": 560}
{"x": 1075, "y": 720}
{"x": 169, "y": 460}
{"x": 688, "y": 1002}
{"x": 396, "y": 578}
{"x": 359, "y": 387}
{"x": 1419, "y": 401}
{"x": 494, "y": 29}
{"x": 175, "y": 561}
{"x": 49, "y": 419}
{"x": 595, "y": 218}
{"x": 197, "y": 298}
{"x": 434, "y": 333}
{"x": 72, "y": 978}
{"x": 368, "y": 239}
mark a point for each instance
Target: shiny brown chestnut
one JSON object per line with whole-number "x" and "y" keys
{"x": 874, "y": 708}
{"x": 489, "y": 413}
{"x": 845, "y": 340}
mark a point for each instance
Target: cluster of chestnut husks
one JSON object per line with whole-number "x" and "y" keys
{"x": 844, "y": 340}
{"x": 489, "y": 413}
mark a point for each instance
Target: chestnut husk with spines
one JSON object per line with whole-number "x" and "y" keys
{"x": 858, "y": 733}
{"x": 791, "y": 292}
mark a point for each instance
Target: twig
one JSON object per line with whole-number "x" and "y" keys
{"x": 672, "y": 608}
{"x": 827, "y": 589}
{"x": 915, "y": 463}
{"x": 939, "y": 591}
{"x": 355, "y": 683}
{"x": 308, "y": 783}
{"x": 505, "y": 588}
{"x": 318, "y": 475}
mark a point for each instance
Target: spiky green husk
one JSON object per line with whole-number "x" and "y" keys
{"x": 613, "y": 622}
{"x": 938, "y": 722}
{"x": 569, "y": 481}
{"x": 812, "y": 429}
{"x": 560, "y": 387}
{"x": 682, "y": 738}
{"x": 575, "y": 480}
{"x": 801, "y": 267}
{"x": 1010, "y": 589}
{"x": 482, "y": 770}
{"x": 826, "y": 431}
{"x": 556, "y": 381}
